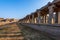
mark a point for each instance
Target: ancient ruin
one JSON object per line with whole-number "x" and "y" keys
{"x": 48, "y": 14}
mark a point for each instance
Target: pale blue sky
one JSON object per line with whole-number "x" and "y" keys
{"x": 19, "y": 8}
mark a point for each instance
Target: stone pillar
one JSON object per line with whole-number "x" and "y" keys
{"x": 44, "y": 19}
{"x": 39, "y": 18}
{"x": 24, "y": 21}
{"x": 33, "y": 21}
{"x": 29, "y": 20}
{"x": 58, "y": 17}
{"x": 47, "y": 15}
{"x": 50, "y": 14}
{"x": 55, "y": 18}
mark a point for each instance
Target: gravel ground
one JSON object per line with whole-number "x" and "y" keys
{"x": 31, "y": 34}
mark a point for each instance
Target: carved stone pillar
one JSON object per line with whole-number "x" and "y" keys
{"x": 58, "y": 17}
{"x": 29, "y": 20}
{"x": 44, "y": 19}
{"x": 55, "y": 18}
{"x": 39, "y": 18}
{"x": 33, "y": 20}
{"x": 50, "y": 14}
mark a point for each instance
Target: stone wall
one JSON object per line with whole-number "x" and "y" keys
{"x": 31, "y": 34}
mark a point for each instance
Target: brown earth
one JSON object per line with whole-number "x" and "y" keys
{"x": 10, "y": 32}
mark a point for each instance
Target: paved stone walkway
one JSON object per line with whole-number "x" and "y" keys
{"x": 32, "y": 34}
{"x": 50, "y": 31}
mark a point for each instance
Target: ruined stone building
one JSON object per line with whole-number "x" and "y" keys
{"x": 48, "y": 14}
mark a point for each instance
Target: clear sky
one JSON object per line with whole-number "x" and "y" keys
{"x": 19, "y": 8}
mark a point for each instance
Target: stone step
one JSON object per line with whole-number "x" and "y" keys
{"x": 11, "y": 34}
{"x": 17, "y": 36}
{"x": 12, "y": 38}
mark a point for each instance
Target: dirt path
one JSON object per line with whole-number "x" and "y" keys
{"x": 10, "y": 32}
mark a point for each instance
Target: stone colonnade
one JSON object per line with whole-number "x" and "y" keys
{"x": 52, "y": 17}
